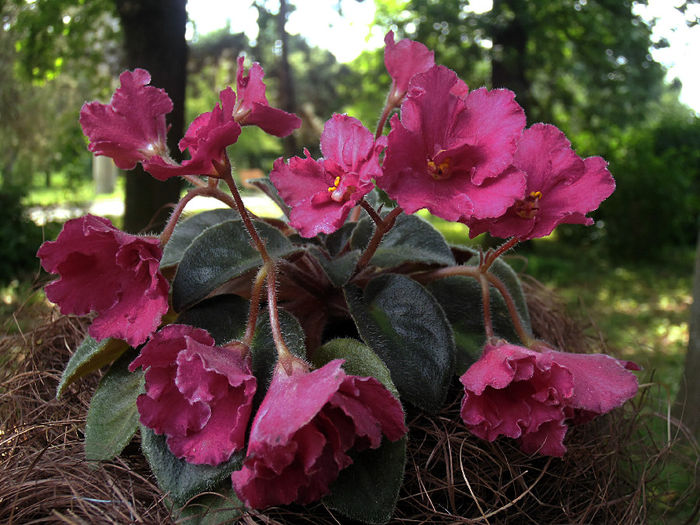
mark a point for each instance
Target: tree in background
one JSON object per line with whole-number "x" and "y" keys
{"x": 161, "y": 49}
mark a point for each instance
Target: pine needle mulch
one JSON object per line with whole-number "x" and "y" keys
{"x": 611, "y": 473}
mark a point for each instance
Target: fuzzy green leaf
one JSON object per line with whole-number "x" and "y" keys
{"x": 186, "y": 231}
{"x": 112, "y": 419}
{"x": 219, "y": 254}
{"x": 223, "y": 316}
{"x": 263, "y": 352}
{"x": 460, "y": 298}
{"x": 406, "y": 327}
{"x": 265, "y": 185}
{"x": 412, "y": 239}
{"x": 176, "y": 477}
{"x": 88, "y": 357}
{"x": 368, "y": 489}
{"x": 338, "y": 269}
{"x": 359, "y": 358}
{"x": 212, "y": 509}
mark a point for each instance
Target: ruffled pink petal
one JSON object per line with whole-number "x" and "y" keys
{"x": 132, "y": 127}
{"x": 601, "y": 382}
{"x": 547, "y": 440}
{"x": 403, "y": 60}
{"x": 347, "y": 142}
{"x": 197, "y": 394}
{"x": 303, "y": 429}
{"x": 322, "y": 193}
{"x": 253, "y": 108}
{"x": 494, "y": 121}
{"x": 165, "y": 410}
{"x": 105, "y": 270}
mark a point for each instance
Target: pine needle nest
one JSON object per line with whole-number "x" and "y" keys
{"x": 608, "y": 475}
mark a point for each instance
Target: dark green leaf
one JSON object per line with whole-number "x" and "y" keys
{"x": 338, "y": 269}
{"x": 112, "y": 418}
{"x": 460, "y": 298}
{"x": 186, "y": 231}
{"x": 182, "y": 480}
{"x": 265, "y": 185}
{"x": 406, "y": 327}
{"x": 505, "y": 273}
{"x": 368, "y": 489}
{"x": 223, "y": 316}
{"x": 88, "y": 357}
{"x": 212, "y": 509}
{"x": 359, "y": 358}
{"x": 412, "y": 239}
{"x": 263, "y": 352}
{"x": 337, "y": 240}
{"x": 361, "y": 235}
{"x": 219, "y": 254}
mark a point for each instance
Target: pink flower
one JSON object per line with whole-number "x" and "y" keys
{"x": 561, "y": 187}
{"x": 206, "y": 139}
{"x": 322, "y": 192}
{"x": 199, "y": 395}
{"x": 252, "y": 107}
{"x": 131, "y": 128}
{"x": 403, "y": 61}
{"x": 304, "y": 428}
{"x": 452, "y": 150}
{"x": 519, "y": 393}
{"x": 105, "y": 270}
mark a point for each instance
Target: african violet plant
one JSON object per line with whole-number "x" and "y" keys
{"x": 272, "y": 360}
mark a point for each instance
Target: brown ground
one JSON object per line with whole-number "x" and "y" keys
{"x": 608, "y": 475}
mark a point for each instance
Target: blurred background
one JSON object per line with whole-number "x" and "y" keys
{"x": 620, "y": 78}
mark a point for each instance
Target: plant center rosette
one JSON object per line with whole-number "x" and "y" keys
{"x": 272, "y": 361}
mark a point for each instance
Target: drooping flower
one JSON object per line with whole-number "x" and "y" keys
{"x": 110, "y": 272}
{"x": 131, "y": 128}
{"x": 451, "y": 151}
{"x": 304, "y": 428}
{"x": 322, "y": 192}
{"x": 404, "y": 60}
{"x": 528, "y": 395}
{"x": 252, "y": 107}
{"x": 561, "y": 187}
{"x": 198, "y": 394}
{"x": 206, "y": 140}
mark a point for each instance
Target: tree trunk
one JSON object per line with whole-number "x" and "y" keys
{"x": 154, "y": 39}
{"x": 510, "y": 38}
{"x": 687, "y": 406}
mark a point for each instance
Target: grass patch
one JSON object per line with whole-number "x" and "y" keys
{"x": 66, "y": 192}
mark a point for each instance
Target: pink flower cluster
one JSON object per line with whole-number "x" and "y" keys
{"x": 463, "y": 155}
{"x": 132, "y": 128}
{"x": 520, "y": 393}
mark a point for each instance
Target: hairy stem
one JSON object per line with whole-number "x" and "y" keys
{"x": 383, "y": 226}
{"x": 371, "y": 211}
{"x": 255, "y": 294}
{"x": 477, "y": 273}
{"x": 225, "y": 173}
{"x": 486, "y": 301}
{"x": 205, "y": 191}
{"x": 492, "y": 255}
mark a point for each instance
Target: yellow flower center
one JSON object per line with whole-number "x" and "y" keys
{"x": 528, "y": 207}
{"x": 440, "y": 171}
